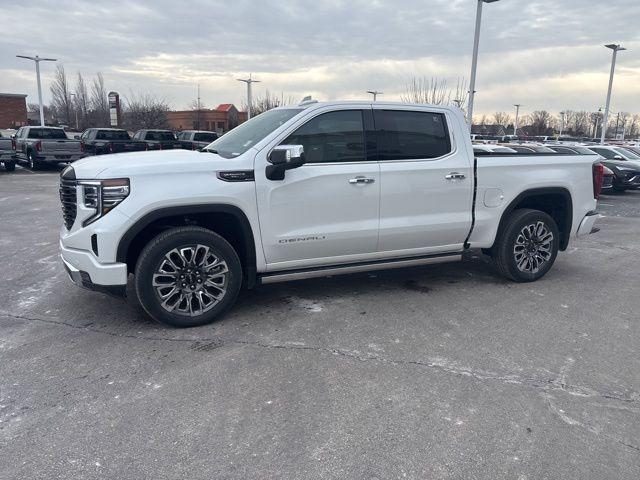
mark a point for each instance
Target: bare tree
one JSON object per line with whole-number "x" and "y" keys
{"x": 144, "y": 110}
{"x": 434, "y": 91}
{"x": 542, "y": 122}
{"x": 262, "y": 103}
{"x": 501, "y": 118}
{"x": 81, "y": 103}
{"x": 99, "y": 103}
{"x": 60, "y": 96}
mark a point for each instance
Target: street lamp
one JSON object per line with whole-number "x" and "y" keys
{"x": 561, "y": 124}
{"x": 605, "y": 119}
{"x": 474, "y": 59}
{"x": 37, "y": 59}
{"x": 515, "y": 123}
{"x": 248, "y": 81}
{"x": 375, "y": 94}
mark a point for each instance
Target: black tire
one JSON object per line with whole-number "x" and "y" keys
{"x": 154, "y": 260}
{"x": 536, "y": 255}
{"x": 10, "y": 166}
{"x": 619, "y": 189}
{"x": 32, "y": 162}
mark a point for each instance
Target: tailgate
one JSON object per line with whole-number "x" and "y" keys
{"x": 61, "y": 147}
{"x": 121, "y": 147}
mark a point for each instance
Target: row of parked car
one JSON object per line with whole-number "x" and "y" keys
{"x": 621, "y": 162}
{"x": 37, "y": 146}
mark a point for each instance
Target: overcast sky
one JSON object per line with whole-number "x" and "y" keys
{"x": 545, "y": 54}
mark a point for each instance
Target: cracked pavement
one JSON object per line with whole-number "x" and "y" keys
{"x": 441, "y": 372}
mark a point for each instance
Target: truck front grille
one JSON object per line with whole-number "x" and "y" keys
{"x": 68, "y": 200}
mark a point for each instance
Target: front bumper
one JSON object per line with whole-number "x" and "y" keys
{"x": 587, "y": 224}
{"x": 85, "y": 271}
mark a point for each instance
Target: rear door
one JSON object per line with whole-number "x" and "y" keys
{"x": 426, "y": 181}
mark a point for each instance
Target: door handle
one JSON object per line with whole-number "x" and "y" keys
{"x": 360, "y": 180}
{"x": 455, "y": 176}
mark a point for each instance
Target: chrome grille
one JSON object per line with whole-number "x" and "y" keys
{"x": 68, "y": 200}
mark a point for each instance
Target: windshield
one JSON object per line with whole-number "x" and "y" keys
{"x": 112, "y": 135}
{"x": 628, "y": 154}
{"x": 47, "y": 133}
{"x": 245, "y": 136}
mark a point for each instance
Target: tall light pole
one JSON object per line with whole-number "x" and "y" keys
{"x": 561, "y": 125}
{"x": 37, "y": 59}
{"x": 515, "y": 123}
{"x": 605, "y": 119}
{"x": 375, "y": 94}
{"x": 248, "y": 81}
{"x": 75, "y": 108}
{"x": 474, "y": 59}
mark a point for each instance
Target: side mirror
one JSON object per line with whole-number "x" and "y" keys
{"x": 76, "y": 137}
{"x": 618, "y": 157}
{"x": 282, "y": 158}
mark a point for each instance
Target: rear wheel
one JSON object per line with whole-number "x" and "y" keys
{"x": 188, "y": 276}
{"x": 528, "y": 245}
{"x": 10, "y": 166}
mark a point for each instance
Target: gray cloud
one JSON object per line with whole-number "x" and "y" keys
{"x": 543, "y": 53}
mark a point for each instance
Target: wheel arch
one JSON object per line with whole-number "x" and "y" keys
{"x": 555, "y": 201}
{"x": 228, "y": 221}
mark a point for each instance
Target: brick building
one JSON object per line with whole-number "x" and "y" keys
{"x": 13, "y": 110}
{"x": 221, "y": 119}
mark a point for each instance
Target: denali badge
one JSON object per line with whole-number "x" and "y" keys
{"x": 310, "y": 238}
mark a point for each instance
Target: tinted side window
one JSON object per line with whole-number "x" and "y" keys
{"x": 608, "y": 154}
{"x": 405, "y": 135}
{"x": 331, "y": 137}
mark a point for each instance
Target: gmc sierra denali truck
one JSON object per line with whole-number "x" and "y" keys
{"x": 37, "y": 146}
{"x": 317, "y": 189}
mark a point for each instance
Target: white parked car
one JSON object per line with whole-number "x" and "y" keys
{"x": 314, "y": 190}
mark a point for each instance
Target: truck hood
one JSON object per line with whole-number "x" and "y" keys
{"x": 123, "y": 165}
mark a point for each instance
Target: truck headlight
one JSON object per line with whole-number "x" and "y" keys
{"x": 103, "y": 195}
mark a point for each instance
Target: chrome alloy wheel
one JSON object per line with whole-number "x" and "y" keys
{"x": 190, "y": 280}
{"x": 533, "y": 247}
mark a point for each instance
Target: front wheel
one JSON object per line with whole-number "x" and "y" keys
{"x": 187, "y": 276}
{"x": 528, "y": 245}
{"x": 10, "y": 166}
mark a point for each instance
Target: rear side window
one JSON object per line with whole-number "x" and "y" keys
{"x": 47, "y": 133}
{"x": 112, "y": 135}
{"x": 204, "y": 137}
{"x": 331, "y": 137}
{"x": 405, "y": 135}
{"x": 608, "y": 154}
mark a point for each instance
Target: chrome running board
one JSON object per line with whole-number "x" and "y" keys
{"x": 290, "y": 275}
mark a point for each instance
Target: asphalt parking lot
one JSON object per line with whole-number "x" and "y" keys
{"x": 441, "y": 372}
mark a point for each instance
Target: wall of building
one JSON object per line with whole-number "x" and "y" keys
{"x": 13, "y": 110}
{"x": 219, "y": 121}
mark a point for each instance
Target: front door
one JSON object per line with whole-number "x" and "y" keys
{"x": 325, "y": 212}
{"x": 426, "y": 182}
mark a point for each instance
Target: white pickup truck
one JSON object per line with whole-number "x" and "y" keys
{"x": 317, "y": 189}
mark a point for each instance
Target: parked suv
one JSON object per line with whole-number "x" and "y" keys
{"x": 314, "y": 190}
{"x": 195, "y": 139}
{"x": 625, "y": 166}
{"x": 157, "y": 139}
{"x": 98, "y": 141}
{"x": 37, "y": 146}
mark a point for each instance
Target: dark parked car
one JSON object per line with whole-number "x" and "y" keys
{"x": 196, "y": 139}
{"x": 98, "y": 141}
{"x": 7, "y": 152}
{"x": 158, "y": 139}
